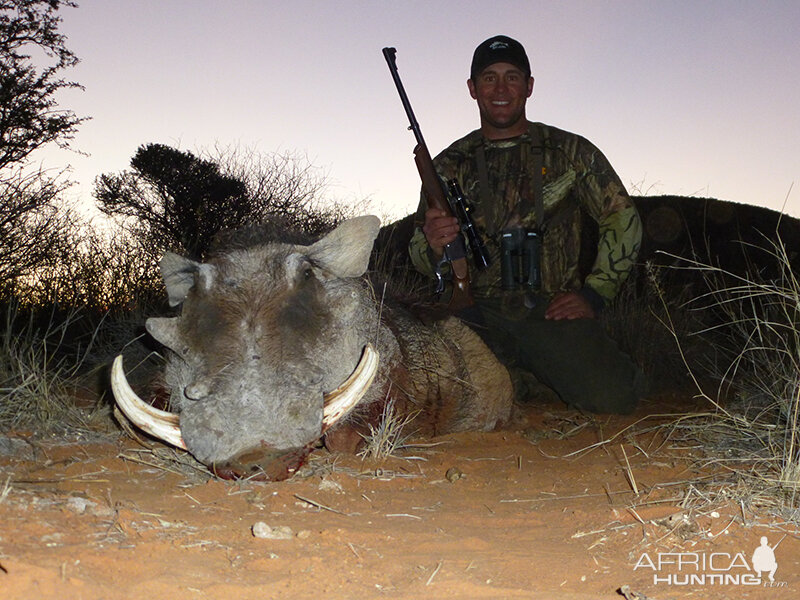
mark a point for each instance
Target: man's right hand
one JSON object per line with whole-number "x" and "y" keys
{"x": 439, "y": 230}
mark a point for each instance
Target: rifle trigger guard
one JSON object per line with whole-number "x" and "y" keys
{"x": 437, "y": 271}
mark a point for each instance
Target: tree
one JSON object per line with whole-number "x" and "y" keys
{"x": 33, "y": 230}
{"x": 29, "y": 117}
{"x": 177, "y": 200}
{"x": 174, "y": 199}
{"x": 285, "y": 187}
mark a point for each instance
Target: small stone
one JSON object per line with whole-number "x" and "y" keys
{"x": 454, "y": 474}
{"x": 80, "y": 505}
{"x": 16, "y": 448}
{"x": 328, "y": 485}
{"x": 263, "y": 531}
{"x": 303, "y": 534}
{"x": 102, "y": 511}
{"x": 52, "y": 539}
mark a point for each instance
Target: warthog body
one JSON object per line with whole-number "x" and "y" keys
{"x": 265, "y": 333}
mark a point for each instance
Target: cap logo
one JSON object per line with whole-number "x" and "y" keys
{"x": 498, "y": 46}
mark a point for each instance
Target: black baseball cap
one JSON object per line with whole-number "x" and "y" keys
{"x": 499, "y": 48}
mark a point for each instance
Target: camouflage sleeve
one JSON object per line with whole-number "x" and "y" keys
{"x": 620, "y": 228}
{"x": 418, "y": 249}
{"x": 620, "y": 238}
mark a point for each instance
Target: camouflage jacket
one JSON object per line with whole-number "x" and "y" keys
{"x": 575, "y": 175}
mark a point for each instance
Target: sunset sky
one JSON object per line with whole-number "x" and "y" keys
{"x": 684, "y": 97}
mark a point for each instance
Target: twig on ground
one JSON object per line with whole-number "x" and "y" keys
{"x": 435, "y": 571}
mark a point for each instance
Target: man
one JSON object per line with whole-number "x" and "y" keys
{"x": 547, "y": 326}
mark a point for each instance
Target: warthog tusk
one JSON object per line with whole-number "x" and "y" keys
{"x": 341, "y": 400}
{"x": 166, "y": 425}
{"x": 159, "y": 423}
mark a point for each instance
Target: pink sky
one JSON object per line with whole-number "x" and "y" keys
{"x": 689, "y": 98}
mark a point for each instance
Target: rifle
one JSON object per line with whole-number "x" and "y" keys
{"x": 437, "y": 196}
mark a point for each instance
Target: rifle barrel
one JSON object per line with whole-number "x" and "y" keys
{"x": 390, "y": 54}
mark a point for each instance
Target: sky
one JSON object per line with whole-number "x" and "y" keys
{"x": 693, "y": 98}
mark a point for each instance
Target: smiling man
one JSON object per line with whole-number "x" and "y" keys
{"x": 501, "y": 91}
{"x": 529, "y": 185}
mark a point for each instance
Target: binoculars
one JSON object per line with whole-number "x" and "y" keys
{"x": 521, "y": 259}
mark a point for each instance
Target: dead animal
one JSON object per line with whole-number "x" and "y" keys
{"x": 279, "y": 346}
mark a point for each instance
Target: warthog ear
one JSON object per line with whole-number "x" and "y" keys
{"x": 345, "y": 250}
{"x": 178, "y": 273}
{"x": 179, "y": 276}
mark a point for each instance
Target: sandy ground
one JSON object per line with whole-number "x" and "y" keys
{"x": 500, "y": 515}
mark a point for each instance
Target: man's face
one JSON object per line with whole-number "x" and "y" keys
{"x": 501, "y": 90}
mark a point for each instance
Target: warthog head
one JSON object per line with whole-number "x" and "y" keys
{"x": 270, "y": 349}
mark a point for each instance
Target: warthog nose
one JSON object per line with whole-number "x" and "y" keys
{"x": 256, "y": 357}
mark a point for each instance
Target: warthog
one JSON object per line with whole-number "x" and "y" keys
{"x": 277, "y": 347}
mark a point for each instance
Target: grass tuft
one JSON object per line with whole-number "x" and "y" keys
{"x": 38, "y": 377}
{"x": 389, "y": 437}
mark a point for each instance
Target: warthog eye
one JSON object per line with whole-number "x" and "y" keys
{"x": 308, "y": 273}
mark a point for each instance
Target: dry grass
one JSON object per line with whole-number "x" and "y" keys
{"x": 389, "y": 437}
{"x": 743, "y": 451}
{"x": 5, "y": 490}
{"x": 757, "y": 400}
{"x": 168, "y": 460}
{"x": 749, "y": 438}
{"x": 38, "y": 378}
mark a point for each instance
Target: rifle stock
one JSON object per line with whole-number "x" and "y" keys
{"x": 455, "y": 252}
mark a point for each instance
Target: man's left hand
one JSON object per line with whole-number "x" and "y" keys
{"x": 569, "y": 305}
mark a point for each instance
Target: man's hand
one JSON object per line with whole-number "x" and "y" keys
{"x": 439, "y": 230}
{"x": 569, "y": 305}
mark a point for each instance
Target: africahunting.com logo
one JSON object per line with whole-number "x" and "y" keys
{"x": 713, "y": 568}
